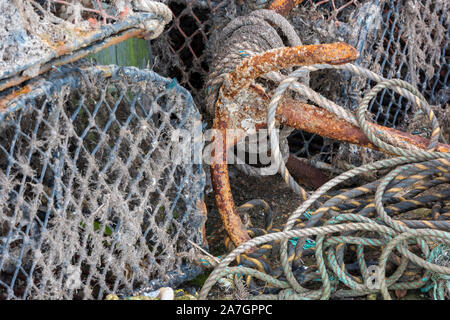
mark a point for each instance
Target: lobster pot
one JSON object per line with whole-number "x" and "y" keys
{"x": 100, "y": 188}
{"x": 406, "y": 39}
{"x": 400, "y": 39}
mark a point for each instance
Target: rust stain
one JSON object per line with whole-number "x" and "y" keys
{"x": 283, "y": 6}
{"x": 66, "y": 49}
{"x": 241, "y": 99}
{"x": 254, "y": 103}
{"x": 201, "y": 207}
{"x": 16, "y": 93}
{"x": 222, "y": 189}
{"x": 320, "y": 121}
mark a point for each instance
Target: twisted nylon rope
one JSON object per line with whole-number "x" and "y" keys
{"x": 441, "y": 283}
{"x": 394, "y": 234}
{"x": 163, "y": 16}
{"x": 287, "y": 234}
{"x": 399, "y": 86}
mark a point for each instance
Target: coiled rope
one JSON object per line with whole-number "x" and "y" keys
{"x": 363, "y": 216}
{"x": 392, "y": 234}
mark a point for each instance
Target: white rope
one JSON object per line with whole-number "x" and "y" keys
{"x": 154, "y": 25}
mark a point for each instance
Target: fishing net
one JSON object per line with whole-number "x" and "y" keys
{"x": 94, "y": 195}
{"x": 395, "y": 39}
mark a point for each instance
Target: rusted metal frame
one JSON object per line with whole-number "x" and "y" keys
{"x": 62, "y": 60}
{"x": 84, "y": 39}
{"x": 319, "y": 121}
{"x": 14, "y": 94}
{"x": 35, "y": 89}
{"x": 305, "y": 173}
{"x": 189, "y": 38}
{"x": 222, "y": 188}
{"x": 282, "y": 58}
{"x": 201, "y": 207}
{"x": 283, "y": 6}
{"x": 241, "y": 79}
{"x": 292, "y": 113}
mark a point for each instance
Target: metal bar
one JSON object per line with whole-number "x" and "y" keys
{"x": 241, "y": 79}
{"x": 286, "y": 57}
{"x": 222, "y": 189}
{"x": 319, "y": 121}
{"x": 283, "y": 6}
{"x": 305, "y": 173}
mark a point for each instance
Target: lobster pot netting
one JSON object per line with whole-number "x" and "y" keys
{"x": 406, "y": 40}
{"x": 395, "y": 38}
{"x": 96, "y": 195}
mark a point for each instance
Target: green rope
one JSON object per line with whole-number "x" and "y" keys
{"x": 440, "y": 283}
{"x": 379, "y": 231}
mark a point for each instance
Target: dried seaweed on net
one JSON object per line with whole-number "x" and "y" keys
{"x": 244, "y": 37}
{"x": 116, "y": 208}
{"x": 17, "y": 44}
{"x": 28, "y": 28}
